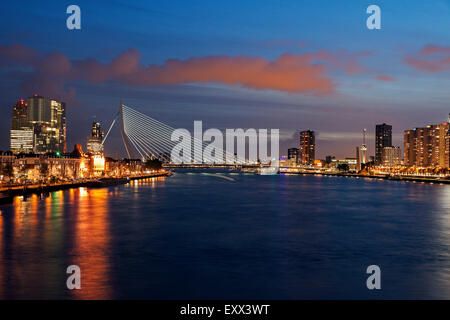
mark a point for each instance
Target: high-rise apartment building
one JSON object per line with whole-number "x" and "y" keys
{"x": 391, "y": 156}
{"x": 447, "y": 149}
{"x": 307, "y": 152}
{"x": 409, "y": 147}
{"x": 428, "y": 146}
{"x": 48, "y": 119}
{"x": 383, "y": 138}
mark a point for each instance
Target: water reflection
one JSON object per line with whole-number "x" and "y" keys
{"x": 41, "y": 237}
{"x": 442, "y": 239}
{"x": 91, "y": 246}
{"x": 284, "y": 237}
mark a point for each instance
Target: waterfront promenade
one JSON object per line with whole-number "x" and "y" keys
{"x": 20, "y": 190}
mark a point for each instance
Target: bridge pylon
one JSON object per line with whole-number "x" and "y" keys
{"x": 126, "y": 142}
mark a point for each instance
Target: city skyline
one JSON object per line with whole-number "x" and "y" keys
{"x": 347, "y": 87}
{"x": 28, "y": 117}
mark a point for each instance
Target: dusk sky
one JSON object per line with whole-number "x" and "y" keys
{"x": 292, "y": 65}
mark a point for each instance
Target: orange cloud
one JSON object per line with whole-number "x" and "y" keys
{"x": 290, "y": 73}
{"x": 293, "y": 73}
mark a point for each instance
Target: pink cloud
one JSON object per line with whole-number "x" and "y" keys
{"x": 385, "y": 78}
{"x": 433, "y": 49}
{"x": 17, "y": 53}
{"x": 431, "y": 58}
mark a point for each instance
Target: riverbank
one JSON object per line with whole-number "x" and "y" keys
{"x": 383, "y": 177}
{"x": 7, "y": 194}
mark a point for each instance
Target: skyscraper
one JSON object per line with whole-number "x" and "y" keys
{"x": 307, "y": 152}
{"x": 383, "y": 138}
{"x": 20, "y": 115}
{"x": 48, "y": 119}
{"x": 94, "y": 141}
{"x": 21, "y": 134}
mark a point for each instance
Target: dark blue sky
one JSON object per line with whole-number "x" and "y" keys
{"x": 355, "y": 78}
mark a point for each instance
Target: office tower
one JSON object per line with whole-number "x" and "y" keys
{"x": 94, "y": 143}
{"x": 383, "y": 138}
{"x": 391, "y": 156}
{"x": 48, "y": 119}
{"x": 427, "y": 147}
{"x": 307, "y": 147}
{"x": 21, "y": 134}
{"x": 293, "y": 154}
{"x": 20, "y": 115}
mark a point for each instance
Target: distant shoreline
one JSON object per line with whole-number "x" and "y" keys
{"x": 383, "y": 177}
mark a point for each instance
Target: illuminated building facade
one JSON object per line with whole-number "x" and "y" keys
{"x": 6, "y": 166}
{"x": 427, "y": 147}
{"x": 391, "y": 156}
{"x": 350, "y": 162}
{"x": 21, "y": 134}
{"x": 21, "y": 141}
{"x": 307, "y": 152}
{"x": 48, "y": 120}
{"x": 20, "y": 116}
{"x": 447, "y": 149}
{"x": 383, "y": 138}
{"x": 94, "y": 144}
{"x": 39, "y": 168}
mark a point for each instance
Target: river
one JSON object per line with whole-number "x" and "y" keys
{"x": 224, "y": 235}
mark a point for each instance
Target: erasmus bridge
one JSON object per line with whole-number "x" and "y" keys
{"x": 148, "y": 138}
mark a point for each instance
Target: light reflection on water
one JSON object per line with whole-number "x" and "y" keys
{"x": 258, "y": 237}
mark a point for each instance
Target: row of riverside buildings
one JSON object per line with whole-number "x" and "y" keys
{"x": 427, "y": 147}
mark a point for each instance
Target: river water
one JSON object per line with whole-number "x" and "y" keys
{"x": 224, "y": 235}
